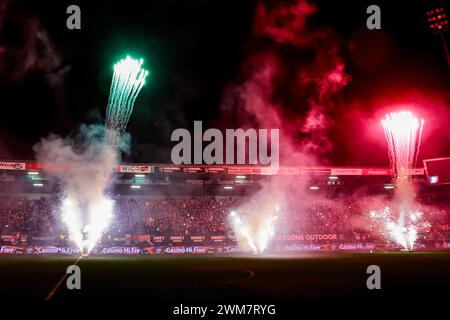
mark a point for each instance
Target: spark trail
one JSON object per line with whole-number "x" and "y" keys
{"x": 403, "y": 132}
{"x": 87, "y": 210}
{"x": 254, "y": 232}
{"x": 128, "y": 80}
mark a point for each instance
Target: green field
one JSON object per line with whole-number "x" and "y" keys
{"x": 218, "y": 279}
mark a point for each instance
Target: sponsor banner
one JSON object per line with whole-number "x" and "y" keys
{"x": 314, "y": 170}
{"x": 176, "y": 238}
{"x": 43, "y": 238}
{"x": 158, "y": 239}
{"x": 307, "y": 237}
{"x": 12, "y": 165}
{"x": 11, "y": 250}
{"x": 388, "y": 172}
{"x": 185, "y": 250}
{"x": 48, "y": 167}
{"x": 244, "y": 170}
{"x": 346, "y": 171}
{"x": 169, "y": 169}
{"x": 141, "y": 238}
{"x": 197, "y": 239}
{"x": 217, "y": 238}
{"x": 377, "y": 172}
{"x": 302, "y": 247}
{"x": 269, "y": 171}
{"x": 353, "y": 246}
{"x": 51, "y": 250}
{"x": 119, "y": 250}
{"x": 288, "y": 171}
{"x": 215, "y": 170}
{"x": 168, "y": 250}
{"x": 130, "y": 168}
{"x": 329, "y": 247}
{"x": 418, "y": 172}
{"x": 228, "y": 249}
{"x": 192, "y": 169}
{"x": 173, "y": 250}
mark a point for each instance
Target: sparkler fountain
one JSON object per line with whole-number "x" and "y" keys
{"x": 128, "y": 80}
{"x": 254, "y": 232}
{"x": 86, "y": 209}
{"x": 403, "y": 132}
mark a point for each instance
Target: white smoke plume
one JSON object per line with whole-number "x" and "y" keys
{"x": 86, "y": 209}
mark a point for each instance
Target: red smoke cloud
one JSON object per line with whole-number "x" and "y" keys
{"x": 292, "y": 94}
{"x": 285, "y": 24}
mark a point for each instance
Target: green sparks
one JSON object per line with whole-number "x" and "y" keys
{"x": 127, "y": 82}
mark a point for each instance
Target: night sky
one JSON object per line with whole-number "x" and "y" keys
{"x": 197, "y": 50}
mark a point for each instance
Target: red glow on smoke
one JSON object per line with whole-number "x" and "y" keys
{"x": 282, "y": 90}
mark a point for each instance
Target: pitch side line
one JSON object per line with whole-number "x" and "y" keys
{"x": 52, "y": 293}
{"x": 251, "y": 274}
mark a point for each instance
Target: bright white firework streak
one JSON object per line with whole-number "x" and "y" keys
{"x": 71, "y": 215}
{"x": 403, "y": 230}
{"x": 403, "y": 134}
{"x": 266, "y": 233}
{"x": 242, "y": 231}
{"x": 255, "y": 233}
{"x": 100, "y": 215}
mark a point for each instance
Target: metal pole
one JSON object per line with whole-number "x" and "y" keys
{"x": 444, "y": 43}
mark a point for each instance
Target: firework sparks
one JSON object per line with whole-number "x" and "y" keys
{"x": 71, "y": 216}
{"x": 256, "y": 233}
{"x": 403, "y": 133}
{"x": 402, "y": 230}
{"x": 100, "y": 215}
{"x": 128, "y": 80}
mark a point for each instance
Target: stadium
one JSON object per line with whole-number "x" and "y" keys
{"x": 173, "y": 222}
{"x": 317, "y": 170}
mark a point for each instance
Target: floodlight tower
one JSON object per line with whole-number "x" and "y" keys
{"x": 438, "y": 23}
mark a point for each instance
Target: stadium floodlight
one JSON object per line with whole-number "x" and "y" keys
{"x": 437, "y": 20}
{"x": 228, "y": 188}
{"x": 135, "y": 187}
{"x": 438, "y": 23}
{"x": 38, "y": 184}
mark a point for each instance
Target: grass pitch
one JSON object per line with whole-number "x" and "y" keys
{"x": 212, "y": 279}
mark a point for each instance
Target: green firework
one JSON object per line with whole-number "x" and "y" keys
{"x": 127, "y": 82}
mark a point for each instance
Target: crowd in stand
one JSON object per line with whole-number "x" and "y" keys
{"x": 31, "y": 216}
{"x": 199, "y": 216}
{"x": 186, "y": 216}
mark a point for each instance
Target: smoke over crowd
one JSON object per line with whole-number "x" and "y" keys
{"x": 86, "y": 207}
{"x": 295, "y": 66}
